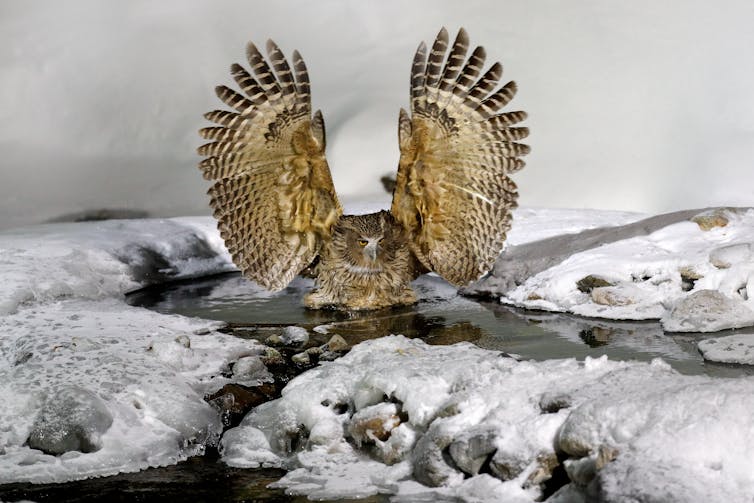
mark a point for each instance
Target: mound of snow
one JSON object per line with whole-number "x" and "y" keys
{"x": 401, "y": 417}
{"x": 89, "y": 385}
{"x": 659, "y": 268}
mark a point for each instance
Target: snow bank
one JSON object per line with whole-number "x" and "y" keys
{"x": 89, "y": 385}
{"x": 695, "y": 274}
{"x": 102, "y": 259}
{"x": 471, "y": 424}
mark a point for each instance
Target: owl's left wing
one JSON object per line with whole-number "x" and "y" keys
{"x": 453, "y": 193}
{"x": 273, "y": 195}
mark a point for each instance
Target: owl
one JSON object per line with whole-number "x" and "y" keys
{"x": 275, "y": 202}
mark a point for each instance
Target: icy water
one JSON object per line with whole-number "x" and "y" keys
{"x": 441, "y": 317}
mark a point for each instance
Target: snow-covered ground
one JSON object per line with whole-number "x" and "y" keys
{"x": 92, "y": 386}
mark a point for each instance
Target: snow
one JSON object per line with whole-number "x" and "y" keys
{"x": 99, "y": 387}
{"x": 628, "y": 431}
{"x": 92, "y": 386}
{"x": 737, "y": 348}
{"x": 589, "y": 75}
{"x": 646, "y": 276}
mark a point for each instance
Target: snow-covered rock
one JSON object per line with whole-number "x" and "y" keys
{"x": 395, "y": 411}
{"x": 737, "y": 348}
{"x": 654, "y": 267}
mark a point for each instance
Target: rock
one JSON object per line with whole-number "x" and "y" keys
{"x": 613, "y": 296}
{"x": 337, "y": 343}
{"x": 294, "y": 336}
{"x": 589, "y": 283}
{"x": 183, "y": 340}
{"x": 546, "y": 464}
{"x": 271, "y": 357}
{"x": 707, "y": 311}
{"x": 235, "y": 401}
{"x": 727, "y": 256}
{"x": 302, "y": 358}
{"x": 430, "y": 467}
{"x": 689, "y": 277}
{"x": 73, "y": 419}
{"x": 711, "y": 219}
{"x": 290, "y": 336}
{"x": 471, "y": 451}
{"x": 315, "y": 351}
{"x": 250, "y": 369}
{"x": 374, "y": 423}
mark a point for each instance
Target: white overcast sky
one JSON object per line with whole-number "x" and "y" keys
{"x": 644, "y": 105}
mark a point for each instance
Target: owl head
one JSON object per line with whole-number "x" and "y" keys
{"x": 368, "y": 243}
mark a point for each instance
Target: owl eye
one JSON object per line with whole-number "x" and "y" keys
{"x": 362, "y": 242}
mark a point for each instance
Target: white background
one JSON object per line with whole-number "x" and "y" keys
{"x": 644, "y": 105}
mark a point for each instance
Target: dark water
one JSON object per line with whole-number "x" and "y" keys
{"x": 441, "y": 317}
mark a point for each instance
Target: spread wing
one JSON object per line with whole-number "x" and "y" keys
{"x": 453, "y": 193}
{"x": 273, "y": 194}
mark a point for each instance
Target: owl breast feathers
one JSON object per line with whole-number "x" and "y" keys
{"x": 276, "y": 206}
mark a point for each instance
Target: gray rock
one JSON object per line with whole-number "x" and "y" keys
{"x": 430, "y": 466}
{"x": 73, "y": 419}
{"x": 471, "y": 451}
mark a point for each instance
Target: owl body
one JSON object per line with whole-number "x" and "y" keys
{"x": 275, "y": 201}
{"x": 366, "y": 265}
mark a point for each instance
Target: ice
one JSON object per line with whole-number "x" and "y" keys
{"x": 659, "y": 268}
{"x": 627, "y": 431}
{"x": 737, "y": 348}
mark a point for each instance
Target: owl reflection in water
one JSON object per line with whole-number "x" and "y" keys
{"x": 277, "y": 209}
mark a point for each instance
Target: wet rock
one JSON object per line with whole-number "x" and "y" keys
{"x": 302, "y": 358}
{"x": 727, "y": 256}
{"x": 544, "y": 468}
{"x": 73, "y": 419}
{"x": 234, "y": 401}
{"x": 589, "y": 283}
{"x": 613, "y": 296}
{"x": 294, "y": 336}
{"x": 337, "y": 344}
{"x": 707, "y": 311}
{"x": 430, "y": 465}
{"x": 471, "y": 452}
{"x": 272, "y": 357}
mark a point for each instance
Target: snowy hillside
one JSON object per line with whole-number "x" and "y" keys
{"x": 642, "y": 105}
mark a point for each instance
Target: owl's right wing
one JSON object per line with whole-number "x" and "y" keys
{"x": 273, "y": 195}
{"x": 453, "y": 193}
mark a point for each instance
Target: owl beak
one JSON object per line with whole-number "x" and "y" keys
{"x": 371, "y": 251}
